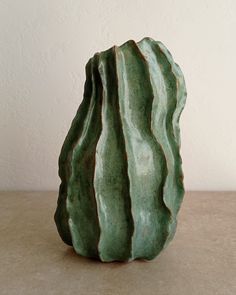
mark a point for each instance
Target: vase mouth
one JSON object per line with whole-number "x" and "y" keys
{"x": 130, "y": 41}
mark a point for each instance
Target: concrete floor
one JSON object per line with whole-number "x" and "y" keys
{"x": 201, "y": 260}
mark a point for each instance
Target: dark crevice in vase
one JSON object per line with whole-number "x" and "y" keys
{"x": 81, "y": 203}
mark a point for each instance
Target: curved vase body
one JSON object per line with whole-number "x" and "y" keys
{"x": 120, "y": 167}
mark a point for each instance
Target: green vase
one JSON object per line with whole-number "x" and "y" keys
{"x": 120, "y": 167}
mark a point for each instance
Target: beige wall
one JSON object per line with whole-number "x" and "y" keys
{"x": 44, "y": 45}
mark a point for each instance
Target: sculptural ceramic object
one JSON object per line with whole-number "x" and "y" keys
{"x": 120, "y": 167}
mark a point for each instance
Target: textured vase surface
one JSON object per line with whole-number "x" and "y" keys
{"x": 120, "y": 167}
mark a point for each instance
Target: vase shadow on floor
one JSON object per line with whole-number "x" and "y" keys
{"x": 72, "y": 256}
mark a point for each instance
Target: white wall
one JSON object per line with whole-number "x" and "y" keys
{"x": 44, "y": 46}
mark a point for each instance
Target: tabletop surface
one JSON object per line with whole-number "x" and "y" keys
{"x": 200, "y": 260}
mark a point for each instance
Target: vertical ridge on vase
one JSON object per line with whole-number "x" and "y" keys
{"x": 180, "y": 102}
{"x": 160, "y": 109}
{"x": 166, "y": 91}
{"x": 111, "y": 180}
{"x": 81, "y": 202}
{"x": 174, "y": 190}
{"x": 61, "y": 214}
{"x": 145, "y": 158}
{"x": 157, "y": 127}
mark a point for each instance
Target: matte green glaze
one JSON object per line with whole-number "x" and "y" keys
{"x": 120, "y": 168}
